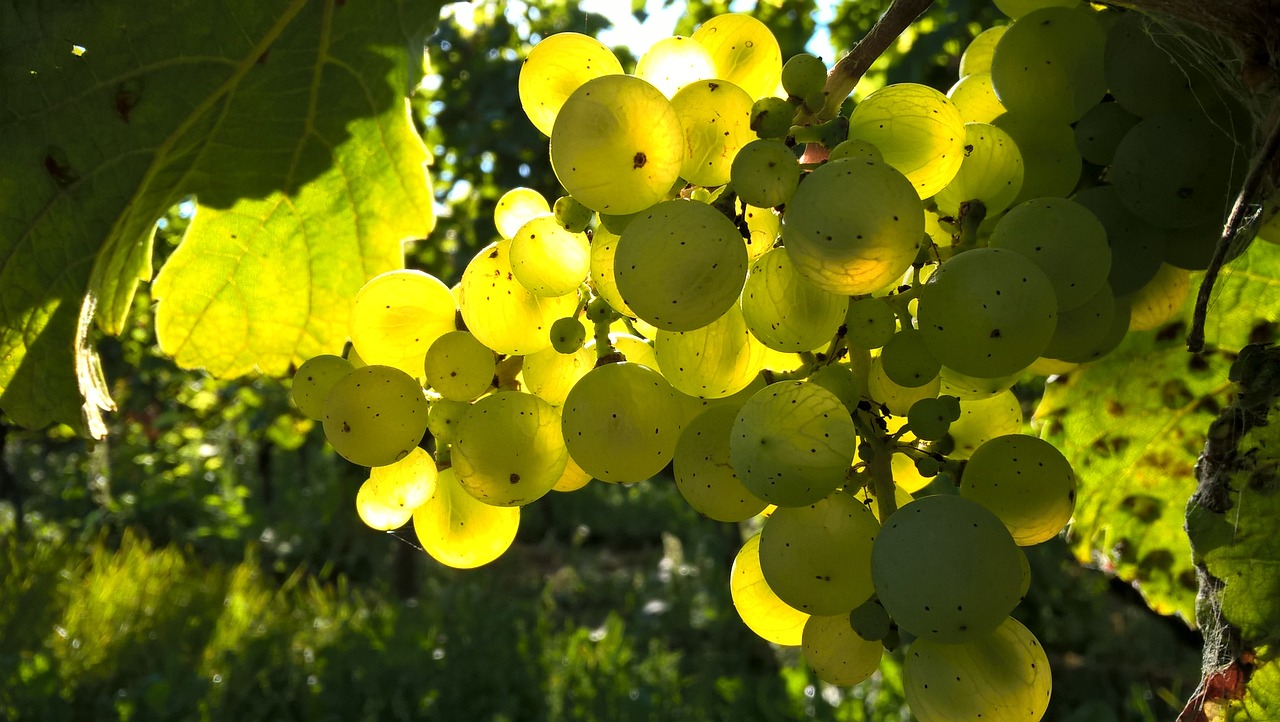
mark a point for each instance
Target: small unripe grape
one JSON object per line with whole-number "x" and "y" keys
{"x": 803, "y": 77}
{"x": 567, "y": 335}
{"x": 870, "y": 620}
{"x": 929, "y": 419}
{"x": 765, "y": 173}
{"x": 771, "y": 117}
{"x": 599, "y": 311}
{"x": 571, "y": 214}
{"x": 870, "y": 323}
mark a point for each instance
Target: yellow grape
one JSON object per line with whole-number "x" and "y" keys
{"x": 674, "y": 62}
{"x": 1160, "y": 299}
{"x": 764, "y": 226}
{"x": 992, "y": 172}
{"x": 1026, "y": 482}
{"x": 836, "y": 653}
{"x": 785, "y": 310}
{"x": 549, "y": 260}
{"x": 817, "y": 558}
{"x": 444, "y": 417}
{"x": 617, "y": 145}
{"x": 503, "y": 314}
{"x": 460, "y": 531}
{"x": 896, "y": 397}
{"x": 984, "y": 419}
{"x": 745, "y": 52}
{"x": 556, "y": 67}
{"x": 717, "y": 360}
{"x": 716, "y": 117}
{"x": 459, "y": 367}
{"x": 398, "y": 315}
{"x": 313, "y": 381}
{"x": 550, "y": 374}
{"x": 975, "y": 98}
{"x": 517, "y": 207}
{"x": 759, "y": 608}
{"x": 621, "y": 422}
{"x": 386, "y": 499}
{"x": 977, "y": 56}
{"x": 375, "y": 415}
{"x": 509, "y": 450}
{"x": 573, "y": 478}
{"x": 703, "y": 472}
{"x": 917, "y": 129}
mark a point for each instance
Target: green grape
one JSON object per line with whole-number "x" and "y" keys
{"x": 857, "y": 150}
{"x": 443, "y": 419}
{"x": 929, "y": 419}
{"x": 946, "y": 569}
{"x": 1115, "y": 333}
{"x": 764, "y": 224}
{"x": 567, "y": 335}
{"x": 817, "y": 558}
{"x": 604, "y": 246}
{"x": 1149, "y": 78}
{"x": 854, "y": 226}
{"x": 1100, "y": 129}
{"x": 987, "y": 312}
{"x": 703, "y": 472}
{"x": 896, "y": 397}
{"x": 573, "y": 478}
{"x": 459, "y": 367}
{"x": 1017, "y": 8}
{"x": 836, "y": 653}
{"x": 919, "y": 131}
{"x": 759, "y": 608}
{"x": 621, "y": 422}
{"x": 509, "y": 450}
{"x": 771, "y": 117}
{"x": 869, "y": 620}
{"x": 1137, "y": 247}
{"x": 1049, "y": 64}
{"x": 549, "y": 374}
{"x": 870, "y": 323}
{"x": 785, "y": 310}
{"x": 977, "y": 56}
{"x": 313, "y": 381}
{"x": 673, "y": 63}
{"x": 906, "y": 360}
{"x": 1175, "y": 170}
{"x": 517, "y": 207}
{"x": 549, "y": 260}
{"x": 765, "y": 173}
{"x": 386, "y": 499}
{"x": 680, "y": 265}
{"x": 398, "y": 315}
{"x": 1160, "y": 300}
{"x": 982, "y": 420}
{"x": 1002, "y": 676}
{"x": 847, "y": 380}
{"x": 1050, "y": 160}
{"x": 803, "y": 77}
{"x": 1064, "y": 239}
{"x": 928, "y": 467}
{"x": 716, "y": 117}
{"x": 975, "y": 97}
{"x": 1192, "y": 248}
{"x": 1082, "y": 328}
{"x": 717, "y": 360}
{"x": 572, "y": 215}
{"x": 793, "y": 443}
{"x": 375, "y": 415}
{"x": 617, "y": 145}
{"x": 745, "y": 52}
{"x": 1026, "y": 482}
{"x": 992, "y": 172}
{"x": 502, "y": 313}
{"x": 460, "y": 531}
{"x": 555, "y": 68}
{"x": 967, "y": 387}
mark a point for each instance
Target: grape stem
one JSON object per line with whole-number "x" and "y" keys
{"x": 1234, "y": 225}
{"x": 855, "y": 63}
{"x": 879, "y": 465}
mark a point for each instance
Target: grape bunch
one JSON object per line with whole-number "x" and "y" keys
{"x": 828, "y": 348}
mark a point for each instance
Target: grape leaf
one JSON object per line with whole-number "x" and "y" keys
{"x": 287, "y": 120}
{"x": 1134, "y": 423}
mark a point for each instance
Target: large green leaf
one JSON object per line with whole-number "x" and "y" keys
{"x": 286, "y": 118}
{"x": 1134, "y": 423}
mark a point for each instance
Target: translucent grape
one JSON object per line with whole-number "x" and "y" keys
{"x": 785, "y": 310}
{"x": 703, "y": 472}
{"x": 1160, "y": 300}
{"x": 1100, "y": 129}
{"x": 1017, "y": 8}
{"x": 386, "y": 499}
{"x": 509, "y": 450}
{"x": 975, "y": 97}
{"x": 555, "y": 68}
{"x": 857, "y": 150}
{"x": 443, "y": 419}
{"x": 1082, "y": 328}
{"x": 793, "y": 443}
{"x": 1137, "y": 247}
{"x": 759, "y": 608}
{"x": 907, "y": 361}
{"x": 617, "y": 145}
{"x": 1049, "y": 64}
{"x": 977, "y": 56}
{"x": 716, "y": 117}
{"x": 674, "y": 62}
{"x": 549, "y": 260}
{"x": 459, "y": 367}
{"x": 1026, "y": 482}
{"x": 919, "y": 131}
{"x": 1002, "y": 675}
{"x": 621, "y": 422}
{"x": 398, "y": 315}
{"x": 803, "y": 77}
{"x": 604, "y": 247}
{"x": 870, "y": 323}
{"x": 745, "y": 52}
{"x": 847, "y": 380}
{"x": 1064, "y": 239}
{"x": 817, "y": 558}
{"x": 992, "y": 172}
{"x": 635, "y": 348}
{"x": 680, "y": 265}
{"x": 965, "y": 387}
{"x": 573, "y": 478}
{"x": 460, "y": 531}
{"x": 1050, "y": 160}
{"x": 854, "y": 226}
{"x": 502, "y": 313}
{"x": 765, "y": 225}
{"x": 946, "y": 569}
{"x": 836, "y": 653}
{"x": 375, "y": 415}
{"x": 982, "y": 420}
{"x": 894, "y": 396}
{"x": 517, "y": 207}
{"x": 314, "y": 379}
{"x": 571, "y": 214}
{"x": 987, "y": 312}
{"x": 765, "y": 173}
{"x": 717, "y": 360}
